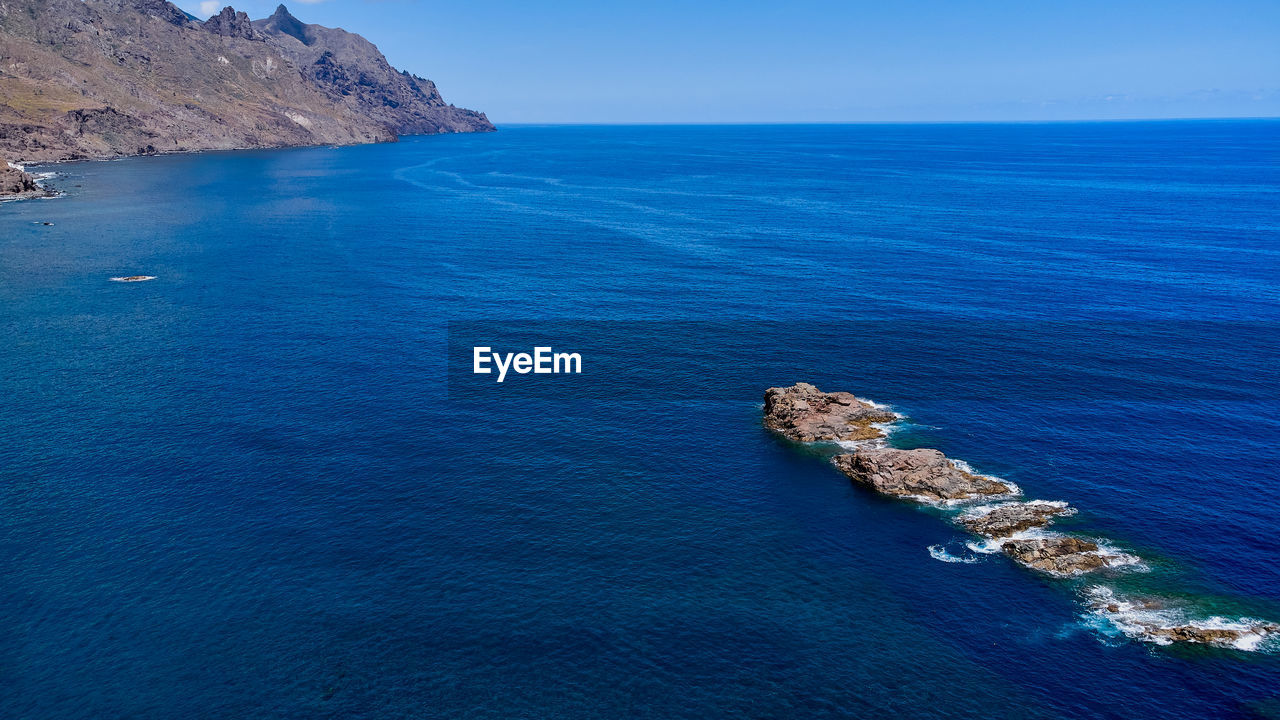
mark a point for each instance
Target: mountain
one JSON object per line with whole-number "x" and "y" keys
{"x": 103, "y": 78}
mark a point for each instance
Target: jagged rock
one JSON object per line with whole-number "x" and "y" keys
{"x": 804, "y": 413}
{"x": 1058, "y": 555}
{"x": 230, "y": 23}
{"x": 1009, "y": 518}
{"x": 16, "y": 183}
{"x": 926, "y": 474}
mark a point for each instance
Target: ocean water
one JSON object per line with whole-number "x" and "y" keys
{"x": 266, "y": 484}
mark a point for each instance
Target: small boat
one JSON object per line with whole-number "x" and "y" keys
{"x": 133, "y": 278}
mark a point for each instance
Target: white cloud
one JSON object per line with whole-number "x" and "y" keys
{"x": 209, "y": 8}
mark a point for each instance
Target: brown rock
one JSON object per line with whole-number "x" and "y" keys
{"x": 915, "y": 473}
{"x": 1058, "y": 555}
{"x": 1005, "y": 520}
{"x": 16, "y": 183}
{"x": 1222, "y": 637}
{"x": 230, "y": 23}
{"x": 804, "y": 413}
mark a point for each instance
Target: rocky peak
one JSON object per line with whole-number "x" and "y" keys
{"x": 230, "y": 23}
{"x": 284, "y": 23}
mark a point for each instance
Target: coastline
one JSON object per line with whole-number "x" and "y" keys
{"x": 24, "y": 166}
{"x": 18, "y": 184}
{"x": 75, "y": 158}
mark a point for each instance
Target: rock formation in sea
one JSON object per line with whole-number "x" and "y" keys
{"x": 1003, "y": 520}
{"x": 804, "y": 413}
{"x": 925, "y": 474}
{"x": 1150, "y": 619}
{"x": 15, "y": 183}
{"x": 104, "y": 78}
{"x": 1061, "y": 555}
{"x": 1221, "y": 636}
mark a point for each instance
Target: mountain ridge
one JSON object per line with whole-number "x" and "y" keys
{"x": 84, "y": 79}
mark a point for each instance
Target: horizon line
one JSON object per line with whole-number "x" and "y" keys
{"x": 623, "y": 123}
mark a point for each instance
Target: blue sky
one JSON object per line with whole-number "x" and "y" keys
{"x": 808, "y": 61}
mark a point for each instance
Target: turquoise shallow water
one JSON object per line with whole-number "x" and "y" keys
{"x": 264, "y": 484}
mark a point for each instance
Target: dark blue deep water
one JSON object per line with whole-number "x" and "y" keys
{"x": 264, "y": 485}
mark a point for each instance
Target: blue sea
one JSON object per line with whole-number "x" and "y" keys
{"x": 267, "y": 484}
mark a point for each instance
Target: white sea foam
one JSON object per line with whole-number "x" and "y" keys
{"x": 880, "y": 406}
{"x": 978, "y": 511}
{"x": 944, "y": 504}
{"x": 965, "y": 467}
{"x": 1117, "y": 558}
{"x": 887, "y": 428}
{"x": 939, "y": 552}
{"x": 990, "y": 546}
{"x": 1139, "y": 619}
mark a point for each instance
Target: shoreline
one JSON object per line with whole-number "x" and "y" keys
{"x": 30, "y": 163}
{"x": 25, "y": 167}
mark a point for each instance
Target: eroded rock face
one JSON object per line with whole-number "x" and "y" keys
{"x": 230, "y": 23}
{"x": 1007, "y": 519}
{"x": 804, "y": 413}
{"x": 926, "y": 474}
{"x": 1058, "y": 555}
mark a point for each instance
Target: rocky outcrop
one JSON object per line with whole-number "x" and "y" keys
{"x": 230, "y": 23}
{"x": 1221, "y": 636}
{"x": 1062, "y": 555}
{"x": 921, "y": 474}
{"x": 15, "y": 183}
{"x": 1004, "y": 520}
{"x": 103, "y": 78}
{"x": 1151, "y": 619}
{"x": 804, "y": 413}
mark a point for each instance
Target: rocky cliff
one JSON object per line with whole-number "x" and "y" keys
{"x": 103, "y": 78}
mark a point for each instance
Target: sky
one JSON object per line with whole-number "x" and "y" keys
{"x": 808, "y": 61}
